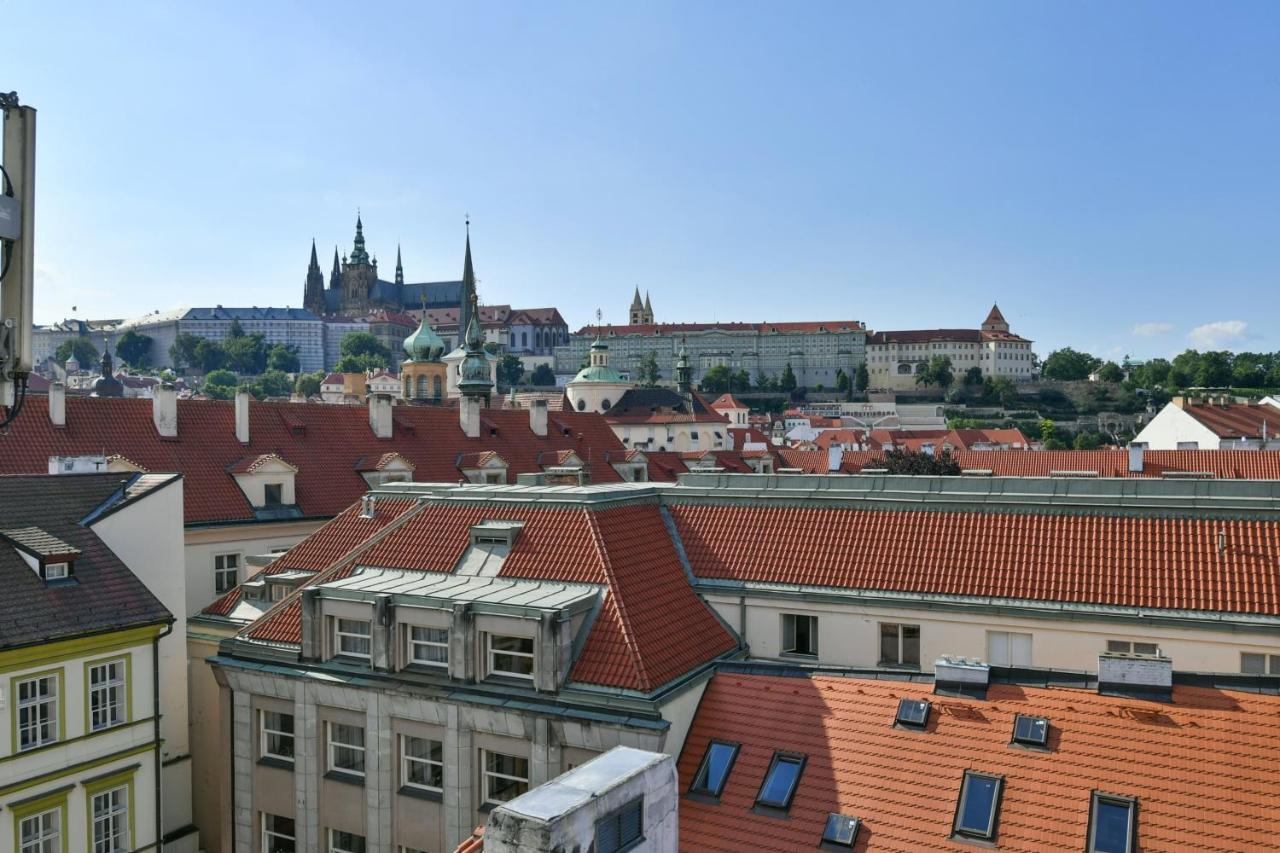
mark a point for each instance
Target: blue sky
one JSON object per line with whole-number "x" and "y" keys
{"x": 1108, "y": 171}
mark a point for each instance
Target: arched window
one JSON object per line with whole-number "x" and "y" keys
{"x": 524, "y": 339}
{"x": 406, "y": 387}
{"x": 605, "y": 404}
{"x": 904, "y": 368}
{"x": 582, "y": 405}
{"x": 422, "y": 388}
{"x": 435, "y": 388}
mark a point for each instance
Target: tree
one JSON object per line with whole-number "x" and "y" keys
{"x": 1069, "y": 365}
{"x": 1087, "y": 441}
{"x": 308, "y": 384}
{"x": 1110, "y": 372}
{"x": 209, "y": 356}
{"x": 246, "y": 354}
{"x": 236, "y": 330}
{"x": 862, "y": 378}
{"x": 510, "y": 369}
{"x": 134, "y": 349}
{"x": 183, "y": 350}
{"x": 362, "y": 363}
{"x": 82, "y": 349}
{"x": 1003, "y": 389}
{"x": 716, "y": 380}
{"x": 272, "y": 383}
{"x": 843, "y": 384}
{"x": 973, "y": 376}
{"x": 899, "y": 461}
{"x": 363, "y": 349}
{"x": 936, "y": 372}
{"x": 283, "y": 357}
{"x": 1046, "y": 430}
{"x": 765, "y": 383}
{"x": 963, "y": 423}
{"x": 543, "y": 376}
{"x": 740, "y": 381}
{"x": 1214, "y": 371}
{"x": 788, "y": 380}
{"x": 220, "y": 384}
{"x": 648, "y": 375}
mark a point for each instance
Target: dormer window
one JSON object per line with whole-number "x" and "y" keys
{"x": 510, "y": 657}
{"x": 267, "y": 481}
{"x": 57, "y": 571}
{"x": 352, "y": 638}
{"x": 48, "y": 556}
{"x": 272, "y": 494}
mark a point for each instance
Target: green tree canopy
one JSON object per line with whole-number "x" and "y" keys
{"x": 788, "y": 380}
{"x": 716, "y": 380}
{"x": 936, "y": 372}
{"x": 1110, "y": 372}
{"x": 543, "y": 376}
{"x": 911, "y": 462}
{"x": 973, "y": 376}
{"x": 134, "y": 349}
{"x": 648, "y": 374}
{"x": 245, "y": 354}
{"x": 272, "y": 383}
{"x": 182, "y": 352}
{"x": 220, "y": 384}
{"x": 862, "y": 378}
{"x": 364, "y": 349}
{"x": 209, "y": 355}
{"x": 1069, "y": 365}
{"x": 308, "y": 384}
{"x": 1047, "y": 428}
{"x": 1214, "y": 370}
{"x": 510, "y": 369}
{"x": 81, "y": 348}
{"x": 283, "y": 357}
{"x": 1087, "y": 441}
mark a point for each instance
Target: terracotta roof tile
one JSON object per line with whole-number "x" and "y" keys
{"x": 1236, "y": 420}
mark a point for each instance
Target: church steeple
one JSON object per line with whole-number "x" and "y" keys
{"x": 648, "y": 309}
{"x": 399, "y": 268}
{"x": 335, "y": 276}
{"x": 467, "y": 300}
{"x": 358, "y": 253}
{"x": 313, "y": 294}
{"x": 474, "y": 379}
{"x": 636, "y": 315}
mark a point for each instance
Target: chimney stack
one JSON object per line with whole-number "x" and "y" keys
{"x": 1135, "y": 676}
{"x": 380, "y": 415}
{"x": 956, "y": 675}
{"x": 835, "y": 455}
{"x": 469, "y": 415}
{"x": 1137, "y": 452}
{"x": 164, "y": 410}
{"x": 538, "y": 417}
{"x": 58, "y": 404}
{"x": 242, "y": 417}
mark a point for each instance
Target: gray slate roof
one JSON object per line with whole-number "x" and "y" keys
{"x": 106, "y": 595}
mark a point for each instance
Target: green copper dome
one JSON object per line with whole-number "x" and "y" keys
{"x": 599, "y": 370}
{"x": 424, "y": 344}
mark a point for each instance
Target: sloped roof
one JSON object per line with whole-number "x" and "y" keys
{"x": 994, "y": 316}
{"x": 1222, "y": 464}
{"x": 1236, "y": 420}
{"x": 1201, "y": 767}
{"x": 761, "y": 328}
{"x": 322, "y": 441}
{"x": 728, "y": 401}
{"x": 662, "y": 405}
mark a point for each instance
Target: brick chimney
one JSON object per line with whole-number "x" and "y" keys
{"x": 164, "y": 410}
{"x": 58, "y": 404}
{"x": 538, "y": 417}
{"x": 242, "y": 417}
{"x": 469, "y": 415}
{"x": 380, "y": 415}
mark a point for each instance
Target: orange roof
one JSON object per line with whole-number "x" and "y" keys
{"x": 1236, "y": 420}
{"x": 728, "y": 401}
{"x": 1201, "y": 766}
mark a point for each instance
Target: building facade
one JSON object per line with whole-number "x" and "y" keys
{"x": 896, "y": 359}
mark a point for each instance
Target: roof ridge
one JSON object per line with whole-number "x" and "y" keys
{"x": 637, "y": 660}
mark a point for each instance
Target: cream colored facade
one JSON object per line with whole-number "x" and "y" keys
{"x": 893, "y": 365}
{"x": 203, "y": 546}
{"x": 679, "y": 436}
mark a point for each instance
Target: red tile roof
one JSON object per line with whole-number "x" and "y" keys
{"x": 1236, "y": 420}
{"x": 1201, "y": 767}
{"x": 762, "y": 328}
{"x": 1223, "y": 464}
{"x": 728, "y": 401}
{"x": 1166, "y": 563}
{"x": 323, "y": 441}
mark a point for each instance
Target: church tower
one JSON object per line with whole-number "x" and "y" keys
{"x": 335, "y": 275}
{"x": 648, "y": 309}
{"x": 399, "y": 271}
{"x": 995, "y": 321}
{"x": 635, "y": 316}
{"x": 313, "y": 296}
{"x": 358, "y": 276}
{"x": 467, "y": 302}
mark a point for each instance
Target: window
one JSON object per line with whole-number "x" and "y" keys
{"x": 429, "y": 646}
{"x": 979, "y": 802}
{"x": 1259, "y": 664}
{"x": 799, "y": 635}
{"x": 37, "y": 711}
{"x": 107, "y": 696}
{"x": 899, "y": 645}
{"x": 1128, "y": 647}
{"x": 271, "y": 494}
{"x": 714, "y": 770}
{"x": 1008, "y": 649}
{"x": 505, "y": 776}
{"x": 1112, "y": 824}
{"x": 351, "y": 637}
{"x": 621, "y": 830}
{"x": 512, "y": 656}
{"x": 346, "y": 748}
{"x": 421, "y": 763}
{"x": 277, "y": 834}
{"x": 41, "y": 833}
{"x": 276, "y": 735}
{"x": 345, "y": 842}
{"x": 912, "y": 712}
{"x": 780, "y": 781}
{"x": 278, "y": 591}
{"x": 841, "y": 830}
{"x": 1030, "y": 731}
{"x": 111, "y": 821}
{"x": 57, "y": 571}
{"x": 226, "y": 571}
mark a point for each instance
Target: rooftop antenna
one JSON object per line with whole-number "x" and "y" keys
{"x": 599, "y": 323}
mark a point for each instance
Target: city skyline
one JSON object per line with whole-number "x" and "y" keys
{"x": 761, "y": 167}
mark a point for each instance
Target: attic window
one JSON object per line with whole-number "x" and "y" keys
{"x": 780, "y": 781}
{"x": 979, "y": 804}
{"x": 913, "y": 713}
{"x": 1113, "y": 824}
{"x": 841, "y": 830}
{"x": 1030, "y": 731}
{"x": 713, "y": 772}
{"x": 57, "y": 571}
{"x": 271, "y": 494}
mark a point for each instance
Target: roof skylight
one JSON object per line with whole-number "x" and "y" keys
{"x": 840, "y": 830}
{"x": 1030, "y": 731}
{"x": 912, "y": 712}
{"x": 780, "y": 781}
{"x": 714, "y": 770}
{"x": 1113, "y": 823}
{"x": 979, "y": 802}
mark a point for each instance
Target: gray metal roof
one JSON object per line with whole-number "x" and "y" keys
{"x": 438, "y": 587}
{"x": 220, "y": 313}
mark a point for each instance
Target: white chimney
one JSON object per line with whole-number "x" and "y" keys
{"x": 164, "y": 410}
{"x": 960, "y": 675}
{"x": 469, "y": 416}
{"x": 1144, "y": 676}
{"x": 380, "y": 415}
{"x": 242, "y": 417}
{"x": 835, "y": 454}
{"x": 538, "y": 417}
{"x": 1137, "y": 450}
{"x": 58, "y": 404}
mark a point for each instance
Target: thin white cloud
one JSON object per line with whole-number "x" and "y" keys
{"x": 1218, "y": 333}
{"x": 1151, "y": 330}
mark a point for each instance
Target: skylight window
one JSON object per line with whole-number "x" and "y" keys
{"x": 841, "y": 830}
{"x": 1113, "y": 823}
{"x": 780, "y": 782}
{"x": 714, "y": 770}
{"x": 913, "y": 713}
{"x": 1030, "y": 731}
{"x": 979, "y": 802}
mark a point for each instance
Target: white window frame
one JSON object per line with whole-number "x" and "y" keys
{"x": 116, "y": 689}
{"x": 1270, "y": 663}
{"x": 32, "y": 705}
{"x": 57, "y": 571}
{"x": 114, "y": 819}
{"x": 486, "y": 774}
{"x": 1131, "y": 647}
{"x": 414, "y": 645}
{"x": 1009, "y": 646}
{"x": 491, "y": 653}
{"x": 42, "y": 835}
{"x": 269, "y": 834}
{"x": 333, "y": 842}
{"x": 794, "y": 619}
{"x": 265, "y": 733}
{"x": 901, "y": 644}
{"x": 407, "y": 763}
{"x": 221, "y": 571}
{"x": 339, "y": 635}
{"x": 333, "y": 746}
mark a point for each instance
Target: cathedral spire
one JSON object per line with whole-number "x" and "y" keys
{"x": 315, "y": 262}
{"x": 358, "y": 253}
{"x": 399, "y": 268}
{"x": 467, "y": 299}
{"x": 313, "y": 294}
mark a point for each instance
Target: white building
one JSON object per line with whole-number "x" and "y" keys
{"x": 1212, "y": 423}
{"x": 895, "y": 359}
